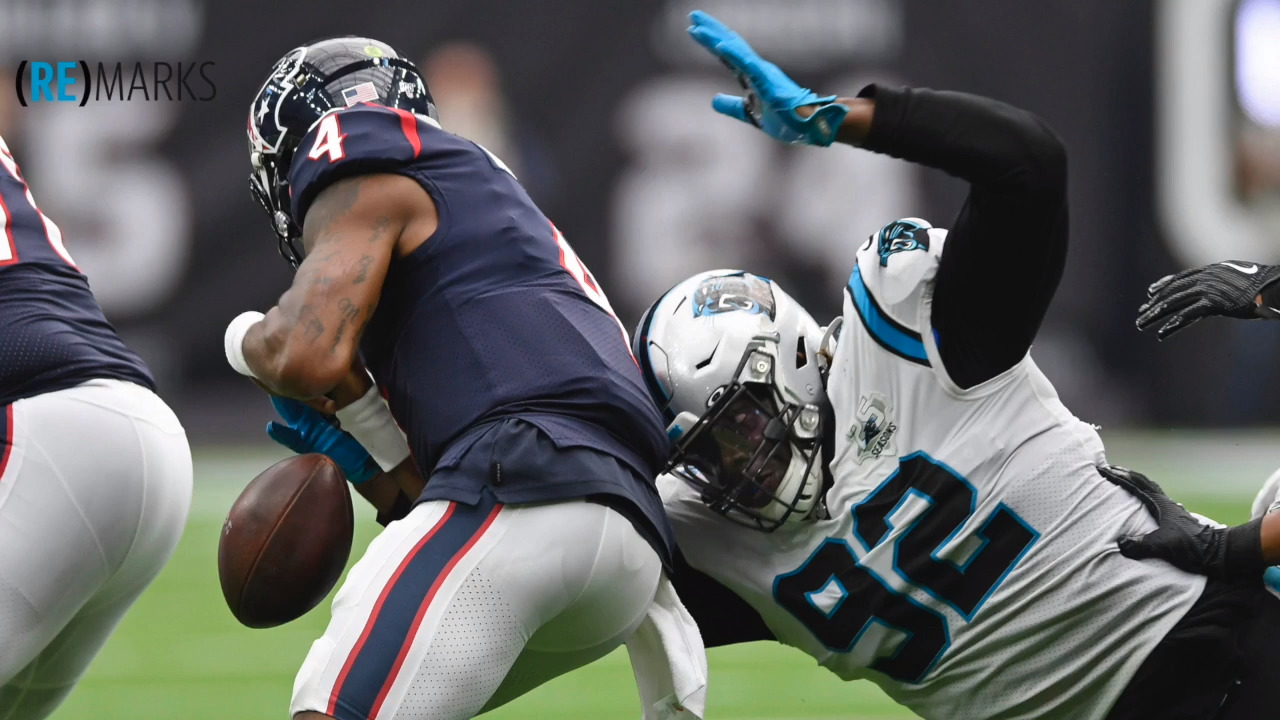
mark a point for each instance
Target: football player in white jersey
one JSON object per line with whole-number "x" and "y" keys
{"x": 901, "y": 494}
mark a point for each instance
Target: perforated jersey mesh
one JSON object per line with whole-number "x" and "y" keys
{"x": 54, "y": 335}
{"x": 474, "y": 645}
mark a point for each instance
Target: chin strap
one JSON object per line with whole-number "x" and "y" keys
{"x": 827, "y": 348}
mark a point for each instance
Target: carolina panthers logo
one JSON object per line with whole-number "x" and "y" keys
{"x": 901, "y": 236}
{"x": 745, "y": 293}
{"x": 872, "y": 432}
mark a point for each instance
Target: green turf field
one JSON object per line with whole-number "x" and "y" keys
{"x": 180, "y": 655}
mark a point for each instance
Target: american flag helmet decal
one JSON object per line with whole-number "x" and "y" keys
{"x": 364, "y": 92}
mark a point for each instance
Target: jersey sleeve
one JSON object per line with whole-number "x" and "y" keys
{"x": 359, "y": 140}
{"x": 1006, "y": 250}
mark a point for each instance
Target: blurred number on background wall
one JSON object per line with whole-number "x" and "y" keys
{"x": 98, "y": 171}
{"x": 122, "y": 206}
{"x": 1218, "y": 128}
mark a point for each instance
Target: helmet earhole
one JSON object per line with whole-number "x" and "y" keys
{"x": 802, "y": 354}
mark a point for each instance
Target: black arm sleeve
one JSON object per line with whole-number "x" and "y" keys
{"x": 1006, "y": 250}
{"x": 723, "y": 618}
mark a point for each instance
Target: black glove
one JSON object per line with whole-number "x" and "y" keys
{"x": 1228, "y": 288}
{"x": 1182, "y": 540}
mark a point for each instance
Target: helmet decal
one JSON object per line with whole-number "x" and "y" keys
{"x": 732, "y": 293}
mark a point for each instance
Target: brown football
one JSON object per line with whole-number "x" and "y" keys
{"x": 285, "y": 541}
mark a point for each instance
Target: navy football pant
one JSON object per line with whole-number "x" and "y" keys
{"x": 457, "y": 609}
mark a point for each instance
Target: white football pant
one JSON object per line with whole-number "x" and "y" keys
{"x": 95, "y": 483}
{"x": 458, "y": 609}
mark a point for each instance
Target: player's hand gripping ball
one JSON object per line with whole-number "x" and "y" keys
{"x": 286, "y": 541}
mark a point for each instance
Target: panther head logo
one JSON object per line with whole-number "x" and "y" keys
{"x": 901, "y": 236}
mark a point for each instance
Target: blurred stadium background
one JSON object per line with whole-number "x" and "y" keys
{"x": 1170, "y": 110}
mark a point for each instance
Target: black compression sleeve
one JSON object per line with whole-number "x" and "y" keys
{"x": 723, "y": 618}
{"x": 1006, "y": 249}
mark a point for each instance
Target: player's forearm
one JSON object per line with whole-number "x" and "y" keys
{"x": 1271, "y": 539}
{"x": 281, "y": 363}
{"x": 395, "y": 491}
{"x": 408, "y": 477}
{"x": 981, "y": 140}
{"x": 381, "y": 491}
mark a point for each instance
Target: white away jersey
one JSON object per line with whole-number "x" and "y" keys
{"x": 969, "y": 564}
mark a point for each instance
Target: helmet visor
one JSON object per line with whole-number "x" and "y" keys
{"x": 743, "y": 451}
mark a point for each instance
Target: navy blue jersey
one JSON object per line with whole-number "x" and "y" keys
{"x": 53, "y": 334}
{"x": 493, "y": 317}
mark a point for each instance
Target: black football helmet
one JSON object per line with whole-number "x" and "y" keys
{"x": 304, "y": 85}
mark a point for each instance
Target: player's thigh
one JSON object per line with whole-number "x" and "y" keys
{"x": 587, "y": 577}
{"x": 37, "y": 690}
{"x": 51, "y": 558}
{"x": 164, "y": 464}
{"x": 89, "y": 505}
{"x": 435, "y": 614}
{"x": 393, "y": 604}
{"x": 614, "y": 590}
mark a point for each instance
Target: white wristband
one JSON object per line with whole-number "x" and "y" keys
{"x": 370, "y": 422}
{"x": 233, "y": 341}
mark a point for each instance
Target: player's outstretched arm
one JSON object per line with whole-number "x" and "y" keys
{"x": 307, "y": 344}
{"x": 1231, "y": 288}
{"x": 1006, "y": 249}
{"x": 1187, "y": 543}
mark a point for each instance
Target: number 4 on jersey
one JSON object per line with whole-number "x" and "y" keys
{"x": 329, "y": 139}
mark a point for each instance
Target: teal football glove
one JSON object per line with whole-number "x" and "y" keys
{"x": 772, "y": 97}
{"x": 1271, "y": 578}
{"x": 307, "y": 431}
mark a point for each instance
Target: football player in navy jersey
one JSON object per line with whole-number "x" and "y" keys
{"x": 95, "y": 471}
{"x": 537, "y": 542}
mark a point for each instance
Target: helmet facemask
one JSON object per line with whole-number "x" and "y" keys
{"x": 271, "y": 190}
{"x": 753, "y": 454}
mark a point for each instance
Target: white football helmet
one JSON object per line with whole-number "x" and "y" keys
{"x": 733, "y": 361}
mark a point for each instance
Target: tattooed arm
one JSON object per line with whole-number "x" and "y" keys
{"x": 306, "y": 345}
